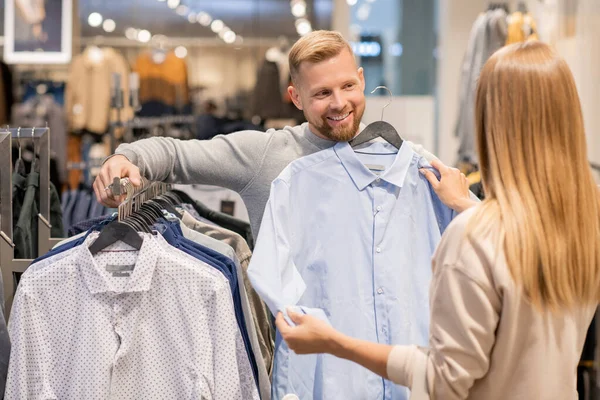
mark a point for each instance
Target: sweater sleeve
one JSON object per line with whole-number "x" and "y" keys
{"x": 464, "y": 316}
{"x": 231, "y": 161}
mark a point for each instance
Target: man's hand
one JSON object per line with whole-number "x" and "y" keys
{"x": 310, "y": 335}
{"x": 115, "y": 167}
{"x": 452, "y": 188}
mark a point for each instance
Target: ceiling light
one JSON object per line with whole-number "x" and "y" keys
{"x": 192, "y": 17}
{"x": 223, "y": 31}
{"x": 144, "y": 36}
{"x": 131, "y": 33}
{"x": 95, "y": 19}
{"x": 181, "y": 52}
{"x": 173, "y": 4}
{"x": 239, "y": 40}
{"x": 217, "y": 25}
{"x": 351, "y": 2}
{"x": 303, "y": 26}
{"x": 229, "y": 37}
{"x": 362, "y": 14}
{"x": 204, "y": 19}
{"x": 182, "y": 10}
{"x": 161, "y": 1}
{"x": 109, "y": 25}
{"x": 299, "y": 8}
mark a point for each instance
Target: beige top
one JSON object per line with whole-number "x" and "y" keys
{"x": 486, "y": 341}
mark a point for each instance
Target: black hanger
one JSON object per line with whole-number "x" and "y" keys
{"x": 168, "y": 206}
{"x": 378, "y": 129}
{"x": 114, "y": 232}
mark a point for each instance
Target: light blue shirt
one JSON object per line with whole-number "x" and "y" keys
{"x": 340, "y": 241}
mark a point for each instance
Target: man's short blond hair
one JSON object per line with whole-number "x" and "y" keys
{"x": 315, "y": 47}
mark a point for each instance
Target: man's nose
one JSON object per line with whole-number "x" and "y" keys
{"x": 338, "y": 102}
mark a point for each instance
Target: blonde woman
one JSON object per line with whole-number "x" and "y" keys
{"x": 516, "y": 279}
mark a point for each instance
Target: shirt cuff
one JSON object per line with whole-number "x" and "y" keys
{"x": 129, "y": 155}
{"x": 401, "y": 364}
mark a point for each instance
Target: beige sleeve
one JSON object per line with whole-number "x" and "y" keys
{"x": 464, "y": 315}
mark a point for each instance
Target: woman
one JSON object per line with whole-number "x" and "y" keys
{"x": 516, "y": 279}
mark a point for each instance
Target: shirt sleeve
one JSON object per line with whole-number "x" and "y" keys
{"x": 232, "y": 380}
{"x": 272, "y": 271}
{"x": 230, "y": 161}
{"x": 464, "y": 316}
{"x": 28, "y": 373}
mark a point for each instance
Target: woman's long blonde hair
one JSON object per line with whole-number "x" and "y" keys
{"x": 538, "y": 184}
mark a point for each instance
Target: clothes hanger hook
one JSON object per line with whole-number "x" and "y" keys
{"x": 19, "y": 140}
{"x": 389, "y": 102}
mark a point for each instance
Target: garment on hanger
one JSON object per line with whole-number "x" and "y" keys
{"x": 226, "y": 221}
{"x": 36, "y": 112}
{"x": 128, "y": 346}
{"x": 163, "y": 85}
{"x": 260, "y": 313}
{"x": 488, "y": 34}
{"x": 348, "y": 237}
{"x": 88, "y": 96}
{"x": 218, "y": 255}
{"x": 521, "y": 28}
{"x": 25, "y": 231}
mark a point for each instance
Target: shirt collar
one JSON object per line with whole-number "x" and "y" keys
{"x": 99, "y": 281}
{"x": 364, "y": 177}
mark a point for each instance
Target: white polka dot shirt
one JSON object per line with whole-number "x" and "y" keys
{"x": 153, "y": 324}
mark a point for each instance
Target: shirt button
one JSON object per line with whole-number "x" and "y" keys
{"x": 380, "y": 290}
{"x": 378, "y": 249}
{"x": 379, "y": 208}
{"x": 378, "y": 180}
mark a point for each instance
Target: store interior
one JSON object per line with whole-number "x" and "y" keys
{"x": 83, "y": 76}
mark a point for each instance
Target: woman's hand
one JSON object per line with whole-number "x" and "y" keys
{"x": 452, "y": 188}
{"x": 310, "y": 335}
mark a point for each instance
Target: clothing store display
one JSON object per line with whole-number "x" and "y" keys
{"x": 217, "y": 198}
{"x": 507, "y": 339}
{"x": 163, "y": 84}
{"x": 260, "y": 313}
{"x": 219, "y": 255}
{"x": 369, "y": 279}
{"x": 521, "y": 28}
{"x": 54, "y": 89}
{"x": 36, "y": 112}
{"x": 226, "y": 221}
{"x": 149, "y": 285}
{"x": 259, "y": 158}
{"x": 487, "y": 36}
{"x": 267, "y": 100}
{"x": 25, "y": 230}
{"x": 88, "y": 96}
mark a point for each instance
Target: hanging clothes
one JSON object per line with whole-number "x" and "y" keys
{"x": 36, "y": 112}
{"x": 88, "y": 95}
{"x": 172, "y": 296}
{"x": 369, "y": 279}
{"x": 163, "y": 84}
{"x": 260, "y": 313}
{"x": 219, "y": 255}
{"x": 521, "y": 28}
{"x": 488, "y": 34}
{"x": 25, "y": 228}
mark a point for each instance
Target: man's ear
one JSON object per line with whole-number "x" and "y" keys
{"x": 361, "y": 76}
{"x": 295, "y": 96}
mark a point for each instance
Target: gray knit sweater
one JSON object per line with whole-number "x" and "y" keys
{"x": 246, "y": 161}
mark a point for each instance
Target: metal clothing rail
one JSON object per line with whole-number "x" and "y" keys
{"x": 11, "y": 267}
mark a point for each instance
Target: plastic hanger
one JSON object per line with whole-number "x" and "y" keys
{"x": 378, "y": 129}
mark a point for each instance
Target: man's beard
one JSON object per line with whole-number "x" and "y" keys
{"x": 342, "y": 133}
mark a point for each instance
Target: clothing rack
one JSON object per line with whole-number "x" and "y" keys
{"x": 9, "y": 266}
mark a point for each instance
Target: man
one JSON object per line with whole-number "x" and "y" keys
{"x": 327, "y": 86}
